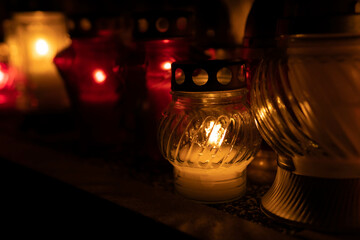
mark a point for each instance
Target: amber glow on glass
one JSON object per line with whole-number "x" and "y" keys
{"x": 99, "y": 76}
{"x": 210, "y": 139}
{"x": 41, "y": 47}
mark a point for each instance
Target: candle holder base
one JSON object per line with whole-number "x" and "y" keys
{"x": 210, "y": 186}
{"x": 321, "y": 204}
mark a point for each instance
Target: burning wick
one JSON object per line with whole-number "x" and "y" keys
{"x": 99, "y": 76}
{"x": 41, "y": 47}
{"x": 166, "y": 65}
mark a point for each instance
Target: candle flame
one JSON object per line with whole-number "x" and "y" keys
{"x": 2, "y": 77}
{"x": 41, "y": 47}
{"x": 99, "y": 76}
{"x": 215, "y": 134}
{"x": 166, "y": 65}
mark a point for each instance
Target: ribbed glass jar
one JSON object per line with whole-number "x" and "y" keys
{"x": 209, "y": 138}
{"x": 306, "y": 104}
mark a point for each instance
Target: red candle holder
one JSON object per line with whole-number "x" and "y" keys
{"x": 8, "y": 92}
{"x": 166, "y": 37}
{"x": 89, "y": 70}
{"x": 160, "y": 54}
{"x": 92, "y": 78}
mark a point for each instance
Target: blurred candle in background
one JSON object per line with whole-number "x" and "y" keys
{"x": 93, "y": 78}
{"x": 160, "y": 54}
{"x": 8, "y": 92}
{"x": 34, "y": 38}
{"x": 166, "y": 37}
{"x": 89, "y": 70}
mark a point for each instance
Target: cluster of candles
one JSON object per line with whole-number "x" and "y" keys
{"x": 51, "y": 71}
{"x": 200, "y": 109}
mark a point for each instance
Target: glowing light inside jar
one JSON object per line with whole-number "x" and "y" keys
{"x": 216, "y": 132}
{"x": 99, "y": 76}
{"x": 166, "y": 65}
{"x": 41, "y": 47}
{"x": 4, "y": 76}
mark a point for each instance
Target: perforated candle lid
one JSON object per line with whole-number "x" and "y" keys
{"x": 92, "y": 25}
{"x": 151, "y": 25}
{"x": 209, "y": 75}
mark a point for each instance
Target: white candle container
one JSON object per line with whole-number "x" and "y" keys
{"x": 34, "y": 38}
{"x": 207, "y": 133}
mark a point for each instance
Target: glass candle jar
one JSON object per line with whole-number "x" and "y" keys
{"x": 207, "y": 133}
{"x": 93, "y": 79}
{"x": 306, "y": 104}
{"x": 34, "y": 38}
{"x": 90, "y": 70}
{"x": 159, "y": 55}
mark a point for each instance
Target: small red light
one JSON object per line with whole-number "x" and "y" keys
{"x": 166, "y": 41}
{"x": 99, "y": 76}
{"x": 166, "y": 65}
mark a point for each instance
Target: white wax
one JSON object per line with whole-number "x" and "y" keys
{"x": 210, "y": 185}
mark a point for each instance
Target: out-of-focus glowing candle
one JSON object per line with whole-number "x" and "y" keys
{"x": 160, "y": 54}
{"x": 90, "y": 71}
{"x": 34, "y": 38}
{"x": 167, "y": 37}
{"x": 92, "y": 76}
{"x": 207, "y": 132}
{"x": 8, "y": 93}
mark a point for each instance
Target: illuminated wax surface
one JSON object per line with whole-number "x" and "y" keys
{"x": 210, "y": 183}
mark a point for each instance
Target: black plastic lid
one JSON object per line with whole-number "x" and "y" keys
{"x": 91, "y": 25}
{"x": 161, "y": 24}
{"x": 208, "y": 75}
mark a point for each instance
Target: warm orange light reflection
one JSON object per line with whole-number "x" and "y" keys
{"x": 99, "y": 76}
{"x": 215, "y": 134}
{"x": 41, "y": 47}
{"x": 166, "y": 65}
